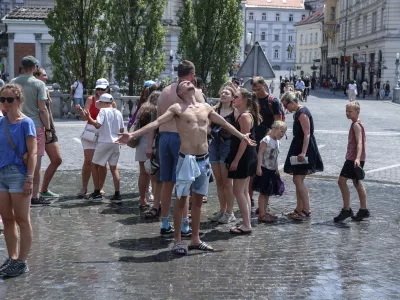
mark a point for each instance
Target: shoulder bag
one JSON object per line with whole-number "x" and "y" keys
{"x": 24, "y": 157}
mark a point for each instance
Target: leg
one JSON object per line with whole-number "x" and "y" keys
{"x": 228, "y": 189}
{"x": 216, "y": 168}
{"x": 102, "y": 176}
{"x": 302, "y": 191}
{"x": 10, "y": 228}
{"x": 178, "y": 210}
{"x": 261, "y": 205}
{"x": 143, "y": 183}
{"x": 87, "y": 168}
{"x": 247, "y": 194}
{"x": 116, "y": 178}
{"x": 239, "y": 190}
{"x": 36, "y": 178}
{"x": 53, "y": 151}
{"x": 21, "y": 207}
{"x": 362, "y": 194}
{"x": 249, "y": 188}
{"x": 342, "y": 182}
{"x": 156, "y": 192}
{"x": 95, "y": 176}
{"x": 197, "y": 201}
{"x": 166, "y": 192}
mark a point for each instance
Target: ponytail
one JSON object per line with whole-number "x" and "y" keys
{"x": 252, "y": 104}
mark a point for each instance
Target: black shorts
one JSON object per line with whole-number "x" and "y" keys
{"x": 348, "y": 169}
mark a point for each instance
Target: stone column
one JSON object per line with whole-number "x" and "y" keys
{"x": 11, "y": 70}
{"x": 38, "y": 48}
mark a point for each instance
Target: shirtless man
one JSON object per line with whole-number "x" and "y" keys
{"x": 169, "y": 148}
{"x": 193, "y": 169}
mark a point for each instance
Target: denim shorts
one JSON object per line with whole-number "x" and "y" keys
{"x": 200, "y": 185}
{"x": 219, "y": 151}
{"x": 12, "y": 179}
{"x": 169, "y": 153}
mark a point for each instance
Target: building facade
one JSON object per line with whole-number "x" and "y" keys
{"x": 309, "y": 42}
{"x": 271, "y": 23}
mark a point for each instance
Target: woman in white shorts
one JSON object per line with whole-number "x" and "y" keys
{"x": 102, "y": 86}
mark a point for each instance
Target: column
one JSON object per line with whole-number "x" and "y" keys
{"x": 38, "y": 48}
{"x": 11, "y": 71}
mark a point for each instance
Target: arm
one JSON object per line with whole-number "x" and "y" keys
{"x": 44, "y": 114}
{"x": 260, "y": 153}
{"x": 305, "y": 125}
{"x": 358, "y": 134}
{"x": 31, "y": 146}
{"x": 49, "y": 103}
{"x": 81, "y": 111}
{"x": 96, "y": 123}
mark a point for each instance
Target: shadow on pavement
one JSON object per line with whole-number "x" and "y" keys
{"x": 137, "y": 220}
{"x": 142, "y": 244}
{"x": 164, "y": 256}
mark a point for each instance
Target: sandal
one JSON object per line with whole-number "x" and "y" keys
{"x": 179, "y": 249}
{"x": 144, "y": 206}
{"x": 297, "y": 217}
{"x": 153, "y": 213}
{"x": 272, "y": 216}
{"x": 307, "y": 215}
{"x": 203, "y": 246}
{"x": 239, "y": 231}
{"x": 267, "y": 218}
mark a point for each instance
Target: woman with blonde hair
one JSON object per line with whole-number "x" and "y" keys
{"x": 17, "y": 165}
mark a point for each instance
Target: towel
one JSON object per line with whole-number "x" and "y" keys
{"x": 186, "y": 175}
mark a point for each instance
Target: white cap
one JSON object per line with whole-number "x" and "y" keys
{"x": 102, "y": 83}
{"x": 105, "y": 98}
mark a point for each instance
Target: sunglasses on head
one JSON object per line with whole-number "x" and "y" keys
{"x": 8, "y": 99}
{"x": 100, "y": 89}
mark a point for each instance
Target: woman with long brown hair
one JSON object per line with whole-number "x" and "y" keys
{"x": 242, "y": 160}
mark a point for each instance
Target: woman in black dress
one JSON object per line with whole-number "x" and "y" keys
{"x": 242, "y": 159}
{"x": 303, "y": 146}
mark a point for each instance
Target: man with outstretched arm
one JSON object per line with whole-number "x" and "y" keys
{"x": 193, "y": 169}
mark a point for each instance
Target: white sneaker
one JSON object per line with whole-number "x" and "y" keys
{"x": 216, "y": 216}
{"x": 227, "y": 218}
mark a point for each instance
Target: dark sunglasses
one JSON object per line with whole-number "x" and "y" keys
{"x": 235, "y": 96}
{"x": 99, "y": 89}
{"x": 8, "y": 99}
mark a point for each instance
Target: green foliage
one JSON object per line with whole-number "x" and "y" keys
{"x": 137, "y": 36}
{"x": 210, "y": 38}
{"x": 80, "y": 40}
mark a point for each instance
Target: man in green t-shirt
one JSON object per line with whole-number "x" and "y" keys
{"x": 34, "y": 107}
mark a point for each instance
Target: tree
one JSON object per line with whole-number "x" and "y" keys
{"x": 138, "y": 37}
{"x": 80, "y": 39}
{"x": 210, "y": 37}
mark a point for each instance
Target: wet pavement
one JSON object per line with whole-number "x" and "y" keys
{"x": 101, "y": 250}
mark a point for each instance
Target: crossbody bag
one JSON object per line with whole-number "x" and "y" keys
{"x": 90, "y": 134}
{"x": 24, "y": 157}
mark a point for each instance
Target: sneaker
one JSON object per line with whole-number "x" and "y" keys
{"x": 95, "y": 197}
{"x": 49, "y": 194}
{"x": 5, "y": 265}
{"x": 168, "y": 230}
{"x": 16, "y": 268}
{"x": 227, "y": 218}
{"x": 343, "y": 215}
{"x": 116, "y": 197}
{"x": 216, "y": 216}
{"x": 40, "y": 201}
{"x": 361, "y": 214}
{"x": 187, "y": 234}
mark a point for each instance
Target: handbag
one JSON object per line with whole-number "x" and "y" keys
{"x": 89, "y": 135}
{"x": 134, "y": 142}
{"x": 24, "y": 157}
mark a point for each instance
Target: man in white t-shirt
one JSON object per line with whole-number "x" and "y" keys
{"x": 364, "y": 87}
{"x": 110, "y": 123}
{"x": 77, "y": 92}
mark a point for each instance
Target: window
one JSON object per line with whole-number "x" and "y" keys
{"x": 263, "y": 36}
{"x": 365, "y": 19}
{"x": 277, "y": 17}
{"x": 303, "y": 17}
{"x": 311, "y": 39}
{"x": 251, "y": 16}
{"x": 264, "y": 16}
{"x": 357, "y": 26}
{"x": 306, "y": 39}
{"x": 290, "y": 18}
{"x": 301, "y": 39}
{"x": 333, "y": 14}
{"x": 276, "y": 37}
{"x": 316, "y": 38}
{"x": 349, "y": 31}
{"x": 309, "y": 56}
{"x": 382, "y": 14}
{"x": 290, "y": 38}
{"x": 276, "y": 53}
{"x": 374, "y": 21}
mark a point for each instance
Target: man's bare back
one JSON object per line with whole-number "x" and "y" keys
{"x": 168, "y": 98}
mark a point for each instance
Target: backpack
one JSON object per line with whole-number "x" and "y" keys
{"x": 281, "y": 108}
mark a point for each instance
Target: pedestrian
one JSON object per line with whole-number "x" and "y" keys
{"x": 148, "y": 87}
{"x": 303, "y": 157}
{"x": 143, "y": 118}
{"x": 352, "y": 91}
{"x": 89, "y": 137}
{"x": 377, "y": 87}
{"x": 76, "y": 92}
{"x": 52, "y": 149}
{"x": 242, "y": 160}
{"x": 17, "y": 166}
{"x": 364, "y": 88}
{"x": 301, "y": 87}
{"x": 219, "y": 149}
{"x": 353, "y": 166}
{"x": 193, "y": 168}
{"x": 170, "y": 143}
{"x": 35, "y": 107}
{"x": 282, "y": 88}
{"x": 272, "y": 86}
{"x": 386, "y": 87}
{"x": 110, "y": 123}
{"x": 267, "y": 181}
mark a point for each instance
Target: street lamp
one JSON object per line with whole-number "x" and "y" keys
{"x": 396, "y": 89}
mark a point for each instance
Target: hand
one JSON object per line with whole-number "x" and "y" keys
{"x": 149, "y": 152}
{"x": 78, "y": 108}
{"x": 356, "y": 163}
{"x": 27, "y": 188}
{"x": 249, "y": 141}
{"x": 300, "y": 157}
{"x": 259, "y": 171}
{"x": 49, "y": 135}
{"x": 86, "y": 113}
{"x": 233, "y": 166}
{"x": 124, "y": 138}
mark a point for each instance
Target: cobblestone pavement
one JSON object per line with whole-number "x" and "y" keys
{"x": 106, "y": 251}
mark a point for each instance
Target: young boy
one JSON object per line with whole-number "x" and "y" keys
{"x": 109, "y": 122}
{"x": 355, "y": 158}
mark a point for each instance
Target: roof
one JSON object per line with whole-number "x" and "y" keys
{"x": 28, "y": 13}
{"x": 276, "y": 3}
{"x": 317, "y": 16}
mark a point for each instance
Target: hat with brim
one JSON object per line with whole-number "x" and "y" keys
{"x": 102, "y": 83}
{"x": 107, "y": 98}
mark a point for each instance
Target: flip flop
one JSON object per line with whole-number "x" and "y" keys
{"x": 202, "y": 246}
{"x": 240, "y": 231}
{"x": 179, "y": 249}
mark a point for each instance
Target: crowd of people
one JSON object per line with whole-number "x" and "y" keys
{"x": 181, "y": 142}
